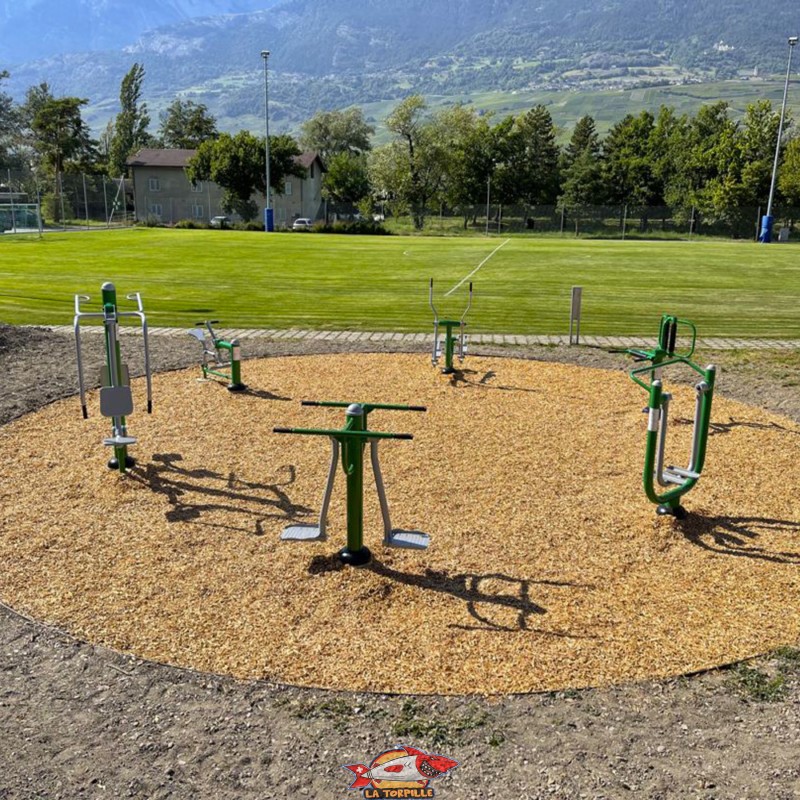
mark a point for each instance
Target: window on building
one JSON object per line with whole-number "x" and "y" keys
{"x": 197, "y": 187}
{"x": 197, "y": 211}
{"x": 154, "y": 184}
{"x": 156, "y": 209}
{"x": 287, "y": 190}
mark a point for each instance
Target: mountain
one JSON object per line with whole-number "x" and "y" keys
{"x": 31, "y": 29}
{"x": 343, "y": 52}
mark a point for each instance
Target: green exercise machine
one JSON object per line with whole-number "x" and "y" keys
{"x": 673, "y": 482}
{"x": 116, "y": 398}
{"x": 450, "y": 337}
{"x": 221, "y": 358}
{"x": 351, "y": 441}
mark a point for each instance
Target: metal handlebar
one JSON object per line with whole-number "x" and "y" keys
{"x": 337, "y": 433}
{"x": 365, "y": 406}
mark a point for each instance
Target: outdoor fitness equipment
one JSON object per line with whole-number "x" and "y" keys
{"x": 215, "y": 351}
{"x": 352, "y": 439}
{"x": 116, "y": 400}
{"x": 664, "y": 354}
{"x": 449, "y": 337}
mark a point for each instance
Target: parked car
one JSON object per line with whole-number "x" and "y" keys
{"x": 219, "y": 222}
{"x": 302, "y": 224}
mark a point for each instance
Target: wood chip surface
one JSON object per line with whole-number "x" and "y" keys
{"x": 547, "y": 569}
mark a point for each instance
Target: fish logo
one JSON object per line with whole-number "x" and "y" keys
{"x": 402, "y": 772}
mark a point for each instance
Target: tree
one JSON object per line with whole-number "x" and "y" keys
{"x": 582, "y": 179}
{"x": 238, "y": 165}
{"x": 669, "y": 140}
{"x": 789, "y": 173}
{"x": 61, "y": 137}
{"x": 530, "y": 172}
{"x": 711, "y": 165}
{"x": 470, "y": 155}
{"x": 62, "y": 143}
{"x": 758, "y": 135}
{"x": 628, "y": 162}
{"x": 9, "y": 121}
{"x": 584, "y": 139}
{"x": 186, "y": 124}
{"x": 332, "y": 132}
{"x": 412, "y": 168}
{"x": 130, "y": 126}
{"x": 347, "y": 178}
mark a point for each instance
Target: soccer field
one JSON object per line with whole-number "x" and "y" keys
{"x": 522, "y": 285}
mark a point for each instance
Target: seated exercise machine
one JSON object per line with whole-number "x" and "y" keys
{"x": 215, "y": 361}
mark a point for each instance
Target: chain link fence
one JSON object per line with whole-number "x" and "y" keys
{"x": 611, "y": 222}
{"x": 69, "y": 200}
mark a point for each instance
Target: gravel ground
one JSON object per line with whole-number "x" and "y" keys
{"x": 82, "y": 721}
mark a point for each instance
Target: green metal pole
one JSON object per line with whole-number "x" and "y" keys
{"x": 236, "y": 384}
{"x": 355, "y": 553}
{"x": 449, "y": 345}
{"x": 704, "y": 422}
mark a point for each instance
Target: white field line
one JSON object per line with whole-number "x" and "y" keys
{"x": 465, "y": 279}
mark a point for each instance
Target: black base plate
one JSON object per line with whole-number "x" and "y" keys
{"x": 355, "y": 558}
{"x": 236, "y": 387}
{"x": 113, "y": 463}
{"x": 679, "y": 512}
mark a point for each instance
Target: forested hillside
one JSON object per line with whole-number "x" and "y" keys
{"x": 337, "y": 53}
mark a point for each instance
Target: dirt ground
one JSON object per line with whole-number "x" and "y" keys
{"x": 80, "y": 721}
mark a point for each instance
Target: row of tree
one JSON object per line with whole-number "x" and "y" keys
{"x": 706, "y": 165}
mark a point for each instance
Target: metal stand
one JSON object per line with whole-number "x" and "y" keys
{"x": 450, "y": 337}
{"x": 230, "y": 369}
{"x": 351, "y": 440}
{"x": 116, "y": 399}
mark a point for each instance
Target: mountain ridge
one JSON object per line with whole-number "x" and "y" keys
{"x": 363, "y": 51}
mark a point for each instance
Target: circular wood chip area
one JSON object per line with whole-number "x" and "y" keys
{"x": 547, "y": 569}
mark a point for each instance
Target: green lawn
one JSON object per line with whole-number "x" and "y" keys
{"x": 381, "y": 283}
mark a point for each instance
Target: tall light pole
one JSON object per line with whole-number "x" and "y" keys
{"x": 269, "y": 224}
{"x": 766, "y": 222}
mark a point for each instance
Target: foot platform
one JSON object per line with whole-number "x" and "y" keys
{"x": 408, "y": 540}
{"x": 302, "y": 533}
{"x": 119, "y": 441}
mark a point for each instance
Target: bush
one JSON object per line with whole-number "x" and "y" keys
{"x": 191, "y": 224}
{"x": 248, "y": 226}
{"x": 361, "y": 227}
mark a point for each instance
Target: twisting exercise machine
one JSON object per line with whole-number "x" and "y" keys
{"x": 674, "y": 481}
{"x": 116, "y": 399}
{"x": 214, "y": 359}
{"x": 352, "y": 439}
{"x": 450, "y": 338}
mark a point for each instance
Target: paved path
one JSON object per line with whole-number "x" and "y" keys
{"x": 509, "y": 339}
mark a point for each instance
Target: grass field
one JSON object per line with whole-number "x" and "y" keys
{"x": 381, "y": 283}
